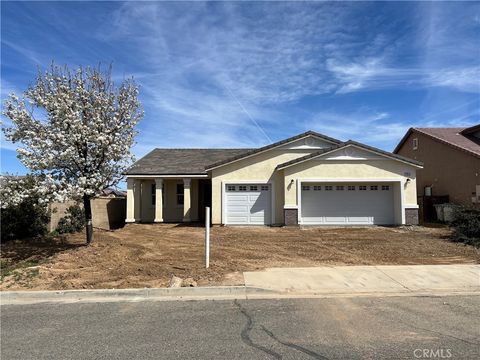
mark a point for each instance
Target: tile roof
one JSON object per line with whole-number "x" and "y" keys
{"x": 180, "y": 161}
{"x": 458, "y": 138}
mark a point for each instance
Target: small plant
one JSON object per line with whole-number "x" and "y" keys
{"x": 467, "y": 226}
{"x": 74, "y": 220}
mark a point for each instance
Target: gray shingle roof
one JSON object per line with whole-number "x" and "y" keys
{"x": 180, "y": 161}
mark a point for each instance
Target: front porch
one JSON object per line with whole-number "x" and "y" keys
{"x": 167, "y": 199}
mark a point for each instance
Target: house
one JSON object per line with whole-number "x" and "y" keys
{"x": 306, "y": 179}
{"x": 451, "y": 160}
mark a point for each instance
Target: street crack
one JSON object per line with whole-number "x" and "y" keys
{"x": 245, "y": 334}
{"x": 294, "y": 346}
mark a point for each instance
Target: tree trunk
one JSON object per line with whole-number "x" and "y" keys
{"x": 88, "y": 218}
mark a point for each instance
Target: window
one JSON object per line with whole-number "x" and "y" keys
{"x": 362, "y": 187}
{"x": 351, "y": 187}
{"x": 374, "y": 187}
{"x": 179, "y": 194}
{"x": 264, "y": 188}
{"x": 340, "y": 187}
{"x": 253, "y": 188}
{"x": 328, "y": 187}
{"x": 305, "y": 187}
{"x": 242, "y": 188}
{"x": 317, "y": 188}
{"x": 385, "y": 187}
{"x": 415, "y": 144}
{"x": 153, "y": 189}
{"x": 231, "y": 187}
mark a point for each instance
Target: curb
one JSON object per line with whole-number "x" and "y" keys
{"x": 145, "y": 294}
{"x": 197, "y": 293}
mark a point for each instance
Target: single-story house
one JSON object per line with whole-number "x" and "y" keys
{"x": 451, "y": 158}
{"x": 306, "y": 179}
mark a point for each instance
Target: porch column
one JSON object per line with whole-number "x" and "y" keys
{"x": 158, "y": 200}
{"x": 133, "y": 200}
{"x": 186, "y": 200}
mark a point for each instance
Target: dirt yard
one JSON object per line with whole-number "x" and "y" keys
{"x": 142, "y": 255}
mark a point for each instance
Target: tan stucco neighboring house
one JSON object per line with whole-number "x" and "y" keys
{"x": 451, "y": 162}
{"x": 306, "y": 179}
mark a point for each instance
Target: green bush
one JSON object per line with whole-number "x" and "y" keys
{"x": 467, "y": 226}
{"x": 72, "y": 222}
{"x": 27, "y": 219}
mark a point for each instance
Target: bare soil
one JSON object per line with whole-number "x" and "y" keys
{"x": 147, "y": 255}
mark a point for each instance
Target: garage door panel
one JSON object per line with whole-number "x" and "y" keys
{"x": 232, "y": 198}
{"x": 347, "y": 204}
{"x": 238, "y": 209}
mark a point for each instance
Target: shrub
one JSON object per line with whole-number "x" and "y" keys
{"x": 28, "y": 219}
{"x": 21, "y": 215}
{"x": 72, "y": 222}
{"x": 467, "y": 226}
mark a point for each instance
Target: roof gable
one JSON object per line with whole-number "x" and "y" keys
{"x": 351, "y": 150}
{"x": 318, "y": 141}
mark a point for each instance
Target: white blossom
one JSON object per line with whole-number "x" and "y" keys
{"x": 80, "y": 143}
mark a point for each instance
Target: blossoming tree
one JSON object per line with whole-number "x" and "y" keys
{"x": 75, "y": 130}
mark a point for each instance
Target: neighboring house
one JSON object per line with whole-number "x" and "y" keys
{"x": 306, "y": 179}
{"x": 451, "y": 161}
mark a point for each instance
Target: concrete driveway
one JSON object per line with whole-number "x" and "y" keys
{"x": 368, "y": 279}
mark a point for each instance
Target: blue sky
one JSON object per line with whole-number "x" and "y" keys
{"x": 246, "y": 74}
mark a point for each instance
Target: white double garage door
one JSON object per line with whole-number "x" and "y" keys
{"x": 347, "y": 203}
{"x": 321, "y": 204}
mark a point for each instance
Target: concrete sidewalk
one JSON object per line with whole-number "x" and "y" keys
{"x": 367, "y": 279}
{"x": 275, "y": 283}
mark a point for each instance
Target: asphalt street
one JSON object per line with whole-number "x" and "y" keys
{"x": 335, "y": 328}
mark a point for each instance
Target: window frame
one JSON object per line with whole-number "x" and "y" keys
{"x": 180, "y": 195}
{"x": 415, "y": 143}
{"x": 153, "y": 194}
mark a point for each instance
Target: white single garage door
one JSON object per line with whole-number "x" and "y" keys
{"x": 347, "y": 204}
{"x": 247, "y": 204}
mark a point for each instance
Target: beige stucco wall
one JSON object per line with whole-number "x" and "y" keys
{"x": 57, "y": 211}
{"x": 348, "y": 169}
{"x": 171, "y": 211}
{"x": 108, "y": 213}
{"x": 260, "y": 167}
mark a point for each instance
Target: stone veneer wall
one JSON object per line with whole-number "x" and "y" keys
{"x": 411, "y": 216}
{"x": 291, "y": 217}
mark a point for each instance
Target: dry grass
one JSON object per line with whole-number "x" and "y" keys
{"x": 148, "y": 255}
